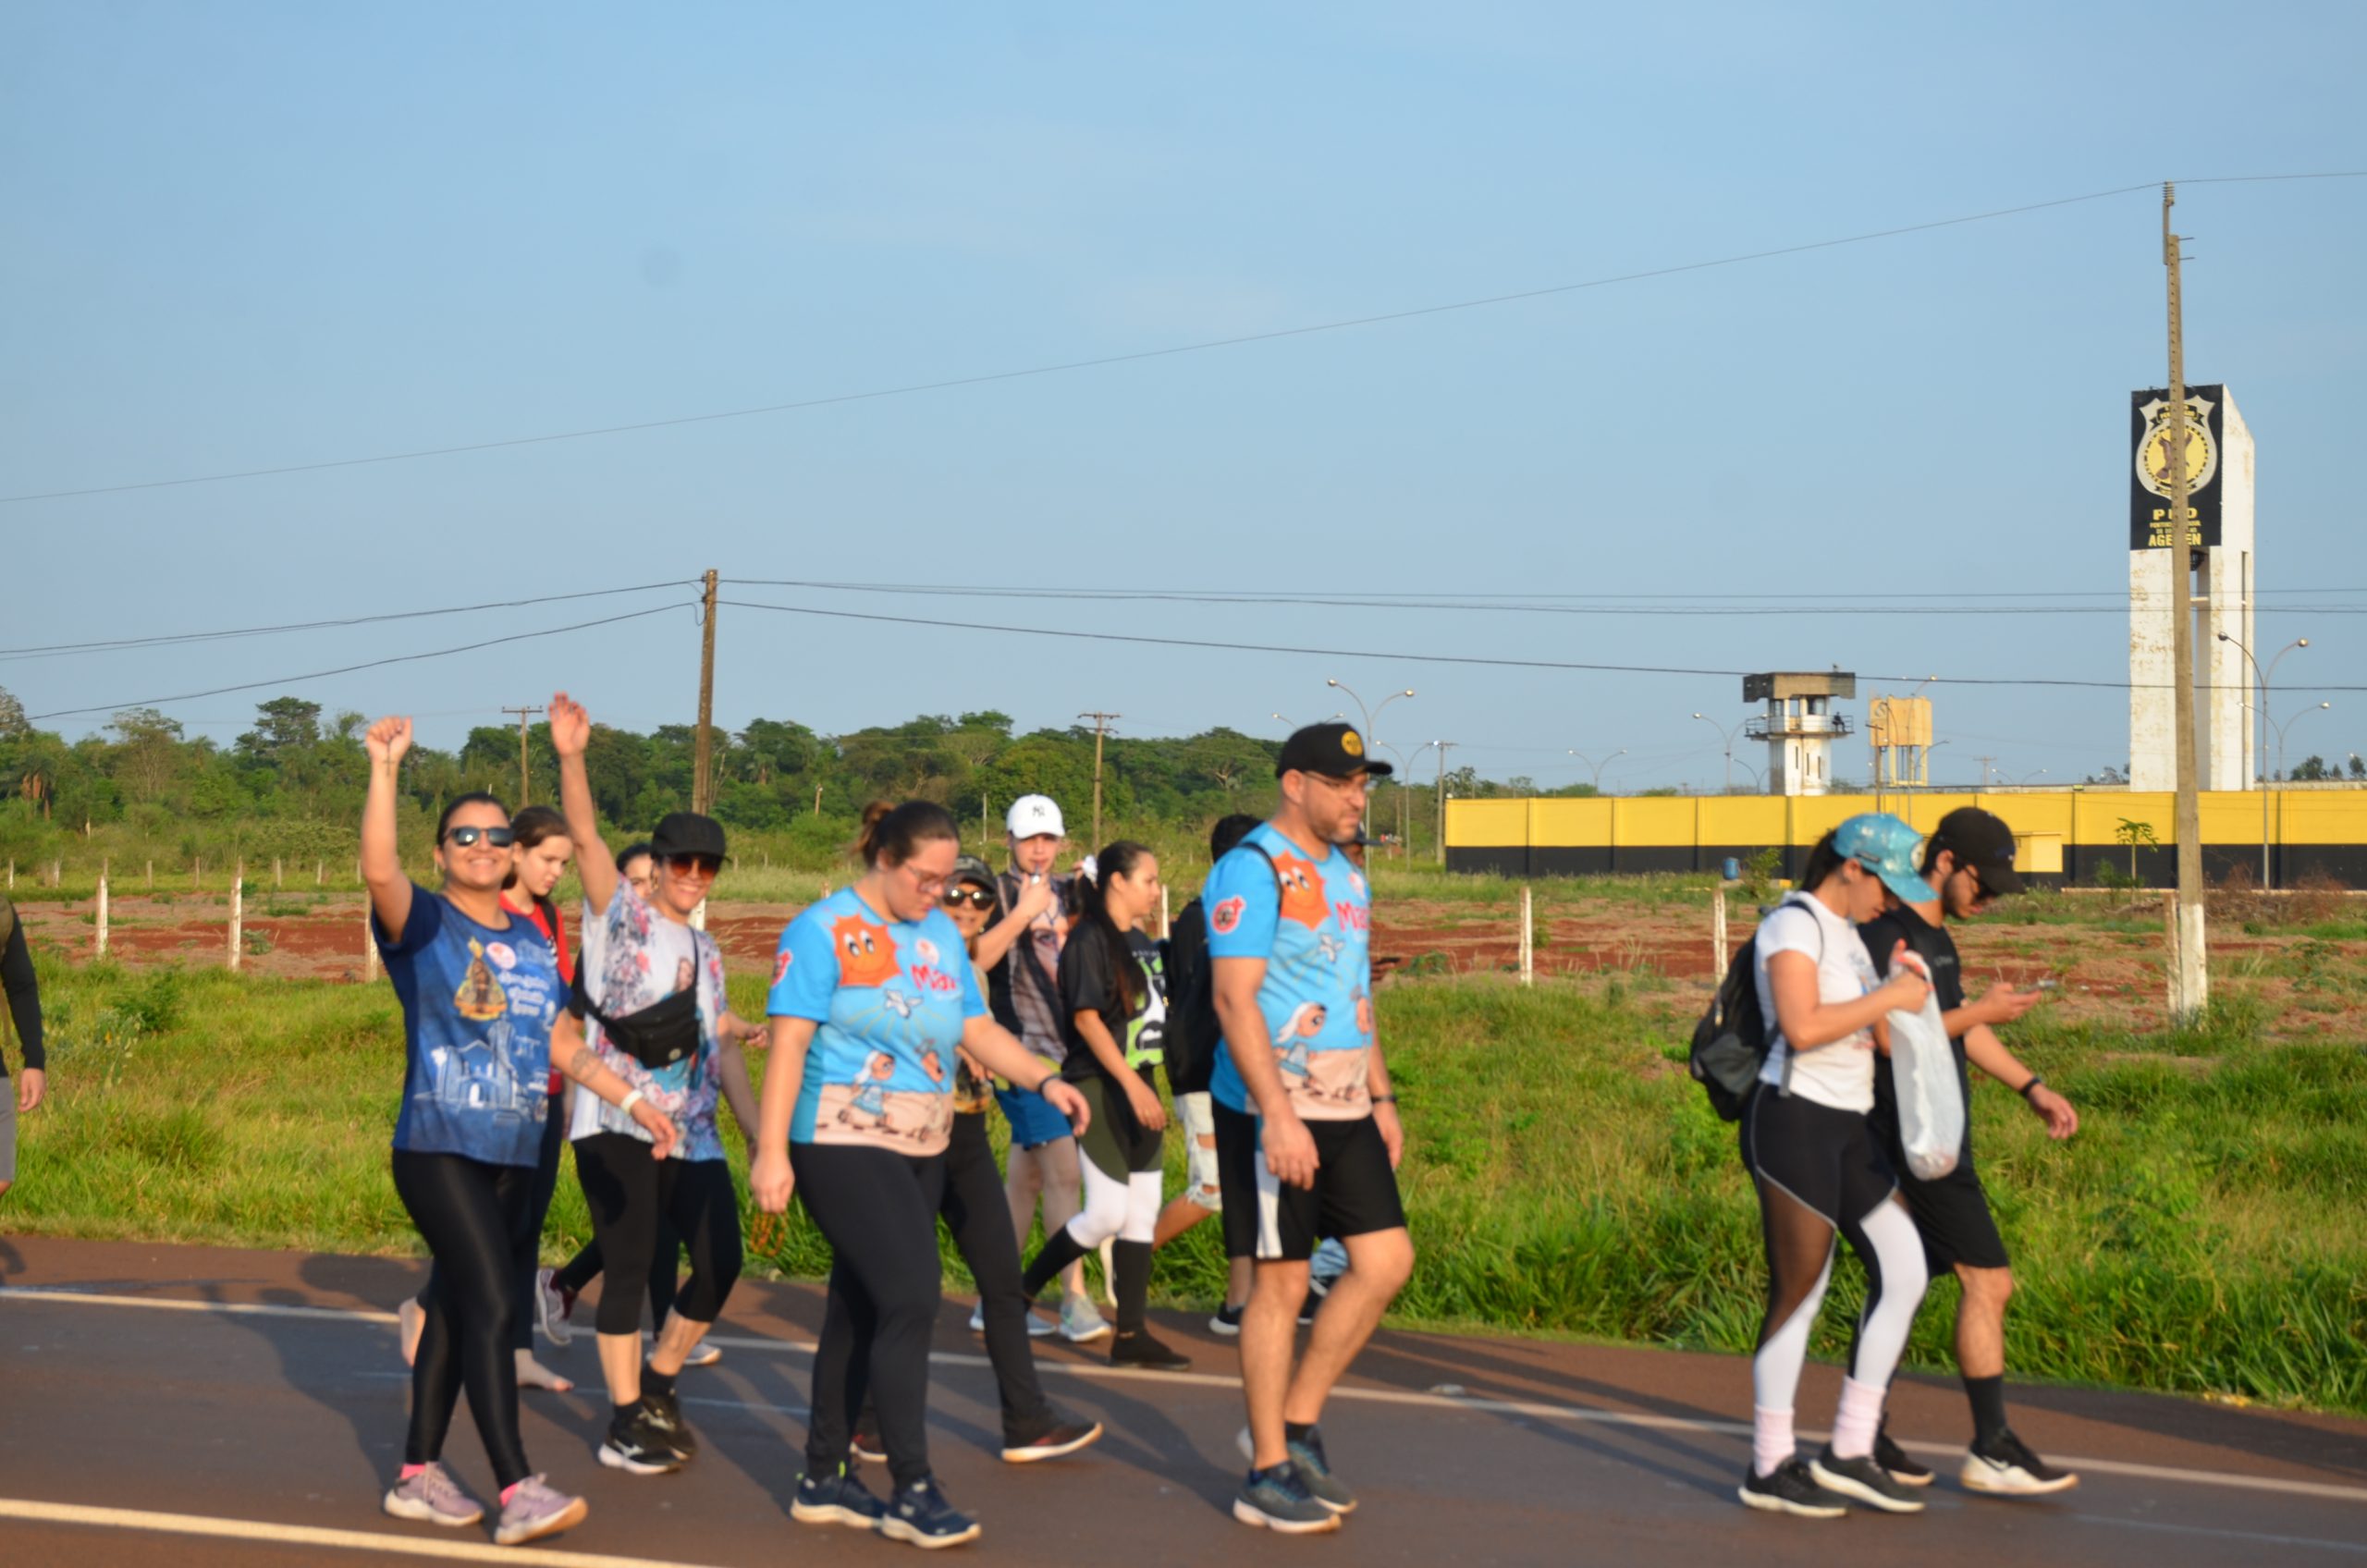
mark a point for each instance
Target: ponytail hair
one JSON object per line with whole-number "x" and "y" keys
{"x": 1824, "y": 859}
{"x": 892, "y": 835}
{"x": 1119, "y": 860}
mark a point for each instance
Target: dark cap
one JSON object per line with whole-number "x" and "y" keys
{"x": 1335, "y": 750}
{"x": 970, "y": 868}
{"x": 687, "y": 833}
{"x": 1981, "y": 840}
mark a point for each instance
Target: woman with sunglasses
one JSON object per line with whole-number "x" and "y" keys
{"x": 876, "y": 975}
{"x": 482, "y": 1025}
{"x": 652, "y": 984}
{"x": 1818, "y": 1169}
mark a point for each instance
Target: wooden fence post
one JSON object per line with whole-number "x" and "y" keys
{"x": 320, "y": 874}
{"x": 1165, "y": 920}
{"x": 238, "y": 913}
{"x": 197, "y": 872}
{"x": 1527, "y": 938}
{"x": 1718, "y": 936}
{"x": 103, "y": 912}
{"x": 152, "y": 875}
{"x": 276, "y": 879}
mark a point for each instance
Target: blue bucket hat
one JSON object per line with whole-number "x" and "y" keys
{"x": 1889, "y": 849}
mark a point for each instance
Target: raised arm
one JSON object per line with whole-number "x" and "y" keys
{"x": 570, "y": 732}
{"x": 382, "y": 863}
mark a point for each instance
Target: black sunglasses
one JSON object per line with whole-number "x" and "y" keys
{"x": 977, "y": 897}
{"x": 499, "y": 837}
{"x": 703, "y": 865}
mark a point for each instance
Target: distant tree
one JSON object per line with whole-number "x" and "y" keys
{"x": 148, "y": 757}
{"x": 2312, "y": 770}
{"x": 282, "y": 725}
{"x": 2357, "y": 765}
{"x": 2107, "y": 774}
{"x": 13, "y": 724}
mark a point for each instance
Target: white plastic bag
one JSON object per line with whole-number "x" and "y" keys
{"x": 1930, "y": 1101}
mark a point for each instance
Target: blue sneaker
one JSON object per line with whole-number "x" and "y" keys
{"x": 1278, "y": 1500}
{"x": 920, "y": 1514}
{"x": 1314, "y": 1468}
{"x": 836, "y": 1500}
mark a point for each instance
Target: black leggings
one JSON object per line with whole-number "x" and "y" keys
{"x": 976, "y": 1212}
{"x": 665, "y": 1271}
{"x": 527, "y": 1257}
{"x": 627, "y": 1192}
{"x": 878, "y": 1209}
{"x": 471, "y": 1215}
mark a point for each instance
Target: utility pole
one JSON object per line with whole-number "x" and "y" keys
{"x": 1444, "y": 747}
{"x": 1101, "y": 722}
{"x": 1984, "y": 763}
{"x": 703, "y": 751}
{"x": 523, "y": 715}
{"x": 2191, "y": 977}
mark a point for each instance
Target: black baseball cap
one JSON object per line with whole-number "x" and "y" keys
{"x": 1335, "y": 750}
{"x": 687, "y": 833}
{"x": 970, "y": 868}
{"x": 1982, "y": 843}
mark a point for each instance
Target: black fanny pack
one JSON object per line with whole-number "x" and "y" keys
{"x": 659, "y": 1036}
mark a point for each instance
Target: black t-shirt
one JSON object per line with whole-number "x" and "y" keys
{"x": 1193, "y": 1038}
{"x": 1938, "y": 951}
{"x": 1087, "y": 986}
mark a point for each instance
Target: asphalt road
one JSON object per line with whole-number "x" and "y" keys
{"x": 190, "y": 1407}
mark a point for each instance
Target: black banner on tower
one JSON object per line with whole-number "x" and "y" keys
{"x": 2149, "y": 480}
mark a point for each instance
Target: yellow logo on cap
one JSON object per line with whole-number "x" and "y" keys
{"x": 1353, "y": 743}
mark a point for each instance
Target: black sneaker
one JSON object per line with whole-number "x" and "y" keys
{"x": 836, "y": 1500}
{"x": 1225, "y": 1320}
{"x": 1278, "y": 1500}
{"x": 2004, "y": 1466}
{"x": 666, "y": 1414}
{"x": 920, "y": 1514}
{"x": 1790, "y": 1490}
{"x": 637, "y": 1445}
{"x": 1143, "y": 1351}
{"x": 1863, "y": 1480}
{"x": 1893, "y": 1458}
{"x": 1060, "y": 1439}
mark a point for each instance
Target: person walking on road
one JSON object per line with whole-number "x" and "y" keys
{"x": 23, "y": 990}
{"x": 482, "y": 1023}
{"x": 1819, "y": 1169}
{"x": 872, "y": 999}
{"x": 1113, "y": 999}
{"x": 976, "y": 1215}
{"x": 1307, "y": 1133}
{"x": 1024, "y": 989}
{"x": 1968, "y": 861}
{"x": 659, "y": 1018}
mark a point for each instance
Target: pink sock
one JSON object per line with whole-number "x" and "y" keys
{"x": 1770, "y": 1438}
{"x": 507, "y": 1489}
{"x": 408, "y": 1471}
{"x": 1859, "y": 1418}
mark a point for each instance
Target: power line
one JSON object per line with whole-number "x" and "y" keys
{"x": 1260, "y": 595}
{"x": 349, "y": 669}
{"x": 1062, "y": 367}
{"x": 1235, "y": 646}
{"x": 51, "y": 649}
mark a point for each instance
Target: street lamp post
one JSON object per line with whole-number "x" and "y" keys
{"x": 1401, "y": 770}
{"x": 1369, "y": 714}
{"x": 2027, "y": 776}
{"x": 2262, "y": 708}
{"x": 1598, "y": 767}
{"x": 1407, "y": 852}
{"x": 2280, "y": 762}
{"x": 1726, "y": 738}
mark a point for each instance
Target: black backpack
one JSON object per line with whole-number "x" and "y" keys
{"x": 1730, "y": 1042}
{"x": 1192, "y": 1032}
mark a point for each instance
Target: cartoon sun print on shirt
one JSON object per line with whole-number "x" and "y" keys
{"x": 866, "y": 952}
{"x": 1302, "y": 891}
{"x": 480, "y": 999}
{"x": 871, "y": 1094}
{"x": 1304, "y": 1023}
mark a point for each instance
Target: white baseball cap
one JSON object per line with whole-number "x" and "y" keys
{"x": 1032, "y": 815}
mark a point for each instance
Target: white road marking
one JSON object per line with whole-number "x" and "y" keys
{"x": 2224, "y": 1534}
{"x": 1535, "y": 1409}
{"x": 307, "y": 1534}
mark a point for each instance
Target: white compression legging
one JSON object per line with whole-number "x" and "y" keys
{"x": 1885, "y": 1239}
{"x": 1125, "y": 1212}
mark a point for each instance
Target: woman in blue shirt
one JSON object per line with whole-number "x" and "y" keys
{"x": 873, "y": 994}
{"x": 483, "y": 1026}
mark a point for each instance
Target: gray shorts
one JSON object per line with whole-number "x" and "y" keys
{"x": 7, "y": 1128}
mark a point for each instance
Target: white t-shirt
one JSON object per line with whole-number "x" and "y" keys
{"x": 1840, "y": 1074}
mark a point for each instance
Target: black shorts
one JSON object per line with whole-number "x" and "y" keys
{"x": 1952, "y": 1215}
{"x": 1827, "y": 1160}
{"x": 1354, "y": 1191}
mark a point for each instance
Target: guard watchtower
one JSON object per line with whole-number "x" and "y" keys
{"x": 1799, "y": 726}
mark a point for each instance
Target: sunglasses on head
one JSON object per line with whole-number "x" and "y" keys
{"x": 499, "y": 837}
{"x": 977, "y": 897}
{"x": 687, "y": 865}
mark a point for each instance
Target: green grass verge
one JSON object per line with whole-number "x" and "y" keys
{"x": 2205, "y": 1233}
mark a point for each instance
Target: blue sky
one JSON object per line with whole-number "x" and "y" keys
{"x": 256, "y": 236}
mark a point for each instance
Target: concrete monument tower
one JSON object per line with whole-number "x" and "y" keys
{"x": 2217, "y": 586}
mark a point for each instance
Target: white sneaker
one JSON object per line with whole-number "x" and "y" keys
{"x": 552, "y": 1308}
{"x": 2006, "y": 1467}
{"x": 1080, "y": 1324}
{"x": 1036, "y": 1328}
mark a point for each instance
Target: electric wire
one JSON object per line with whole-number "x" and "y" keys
{"x": 1172, "y": 350}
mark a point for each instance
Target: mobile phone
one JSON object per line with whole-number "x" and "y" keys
{"x": 2043, "y": 985}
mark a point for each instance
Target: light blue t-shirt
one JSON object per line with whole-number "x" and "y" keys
{"x": 891, "y": 998}
{"x": 1312, "y": 923}
{"x": 478, "y": 1006}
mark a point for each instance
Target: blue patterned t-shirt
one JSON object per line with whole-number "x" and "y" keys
{"x": 1312, "y": 923}
{"x": 478, "y": 1006}
{"x": 891, "y": 998}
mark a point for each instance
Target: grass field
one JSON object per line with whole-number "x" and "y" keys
{"x": 2205, "y": 1233}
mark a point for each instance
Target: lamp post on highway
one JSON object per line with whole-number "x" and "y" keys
{"x": 2281, "y": 728}
{"x": 1369, "y": 714}
{"x": 1598, "y": 767}
{"x": 1726, "y": 739}
{"x": 2262, "y": 708}
{"x": 2027, "y": 776}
